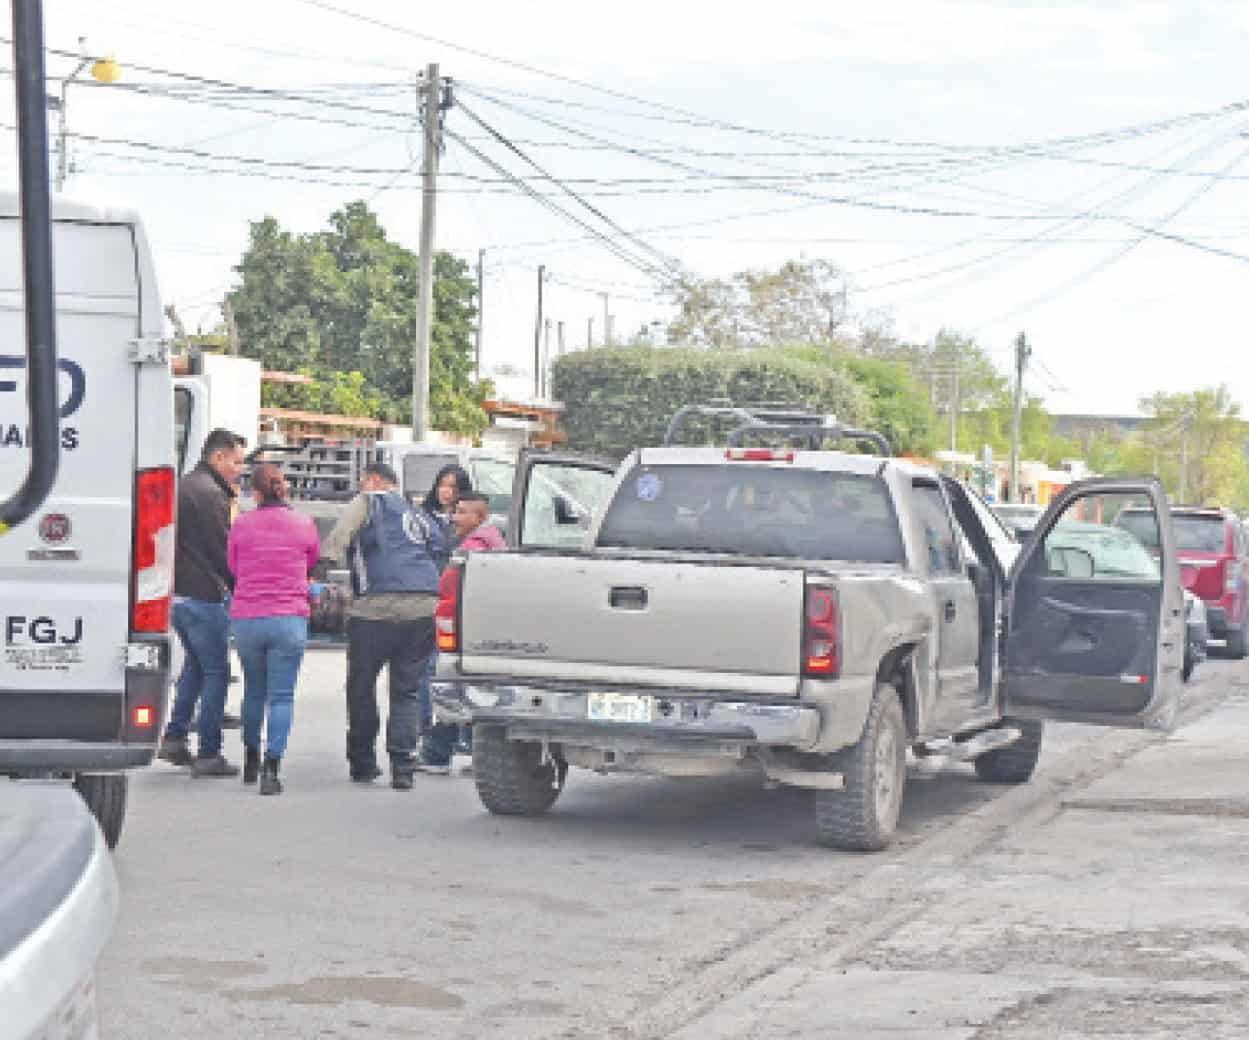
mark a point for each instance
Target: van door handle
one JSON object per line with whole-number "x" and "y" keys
{"x": 951, "y": 612}
{"x": 627, "y": 597}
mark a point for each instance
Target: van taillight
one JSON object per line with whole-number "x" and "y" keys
{"x": 1231, "y": 575}
{"x": 447, "y": 613}
{"x": 152, "y": 569}
{"x": 821, "y": 643}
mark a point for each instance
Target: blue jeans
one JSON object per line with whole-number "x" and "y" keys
{"x": 439, "y": 740}
{"x": 204, "y": 629}
{"x": 270, "y": 650}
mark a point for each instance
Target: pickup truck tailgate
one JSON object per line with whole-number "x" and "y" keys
{"x": 633, "y": 622}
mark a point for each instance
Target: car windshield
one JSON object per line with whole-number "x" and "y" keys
{"x": 754, "y": 510}
{"x": 1116, "y": 552}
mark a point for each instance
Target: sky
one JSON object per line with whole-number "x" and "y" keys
{"x": 1079, "y": 172}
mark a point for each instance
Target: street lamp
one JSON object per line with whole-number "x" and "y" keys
{"x": 103, "y": 70}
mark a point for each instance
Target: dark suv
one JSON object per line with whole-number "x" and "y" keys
{"x": 1214, "y": 563}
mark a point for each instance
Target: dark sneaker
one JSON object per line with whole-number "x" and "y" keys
{"x": 364, "y": 774}
{"x": 251, "y": 766}
{"x": 212, "y": 766}
{"x": 434, "y": 768}
{"x": 175, "y": 751}
{"x": 401, "y": 780}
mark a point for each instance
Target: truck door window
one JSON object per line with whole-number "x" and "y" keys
{"x": 183, "y": 404}
{"x": 1092, "y": 542}
{"x": 561, "y": 501}
{"x": 936, "y": 528}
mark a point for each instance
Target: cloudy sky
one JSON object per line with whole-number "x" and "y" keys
{"x": 1077, "y": 171}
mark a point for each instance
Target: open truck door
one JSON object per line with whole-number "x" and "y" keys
{"x": 556, "y": 497}
{"x": 1094, "y": 626}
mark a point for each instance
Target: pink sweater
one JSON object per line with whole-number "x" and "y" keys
{"x": 270, "y": 552}
{"x": 486, "y": 537}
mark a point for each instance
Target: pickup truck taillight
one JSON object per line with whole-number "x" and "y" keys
{"x": 447, "y": 613}
{"x": 1231, "y": 575}
{"x": 821, "y": 642}
{"x": 152, "y": 566}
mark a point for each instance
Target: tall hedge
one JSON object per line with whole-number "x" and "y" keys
{"x": 617, "y": 399}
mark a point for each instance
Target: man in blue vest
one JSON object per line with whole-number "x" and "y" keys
{"x": 393, "y": 548}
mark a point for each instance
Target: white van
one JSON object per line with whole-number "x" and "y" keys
{"x": 86, "y": 582}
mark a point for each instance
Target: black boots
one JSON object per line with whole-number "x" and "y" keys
{"x": 251, "y": 765}
{"x": 269, "y": 782}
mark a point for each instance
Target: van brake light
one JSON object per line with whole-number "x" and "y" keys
{"x": 153, "y": 556}
{"x": 821, "y": 642}
{"x": 757, "y": 455}
{"x": 447, "y": 613}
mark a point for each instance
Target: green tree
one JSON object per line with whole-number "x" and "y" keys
{"x": 801, "y": 302}
{"x": 1198, "y": 440}
{"x": 342, "y": 302}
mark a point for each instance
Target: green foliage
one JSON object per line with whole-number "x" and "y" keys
{"x": 621, "y": 398}
{"x": 1198, "y": 443}
{"x": 900, "y": 406}
{"x": 341, "y": 393}
{"x": 803, "y": 301}
{"x": 342, "y": 303}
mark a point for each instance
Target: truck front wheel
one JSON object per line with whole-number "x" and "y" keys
{"x": 1015, "y": 763}
{"x": 512, "y": 778}
{"x": 863, "y": 816}
{"x": 105, "y": 795}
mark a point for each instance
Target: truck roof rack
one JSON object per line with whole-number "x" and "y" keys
{"x": 761, "y": 414}
{"x": 789, "y": 420}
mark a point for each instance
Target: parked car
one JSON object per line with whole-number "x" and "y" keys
{"x": 1020, "y": 517}
{"x": 807, "y": 615}
{"x": 1116, "y": 551}
{"x": 1214, "y": 565}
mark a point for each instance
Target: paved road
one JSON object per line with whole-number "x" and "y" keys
{"x": 342, "y": 911}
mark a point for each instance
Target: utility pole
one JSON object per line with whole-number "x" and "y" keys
{"x": 1184, "y": 460}
{"x": 546, "y": 357}
{"x": 954, "y": 405}
{"x": 606, "y": 319}
{"x": 1022, "y": 353}
{"x": 481, "y": 306}
{"x": 232, "y": 328}
{"x": 559, "y": 339}
{"x": 537, "y": 337}
{"x": 104, "y": 70}
{"x": 589, "y": 334}
{"x": 431, "y": 120}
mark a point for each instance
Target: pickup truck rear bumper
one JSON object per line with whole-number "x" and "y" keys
{"x": 686, "y": 721}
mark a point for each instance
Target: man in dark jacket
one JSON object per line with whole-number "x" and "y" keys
{"x": 202, "y": 585}
{"x": 394, "y": 549}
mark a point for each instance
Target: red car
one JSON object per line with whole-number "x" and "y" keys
{"x": 1214, "y": 563}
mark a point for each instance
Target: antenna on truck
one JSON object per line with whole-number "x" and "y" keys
{"x": 40, "y": 299}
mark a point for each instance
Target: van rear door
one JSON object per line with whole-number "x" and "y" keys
{"x": 65, "y": 575}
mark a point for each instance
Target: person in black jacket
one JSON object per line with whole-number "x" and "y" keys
{"x": 202, "y": 586}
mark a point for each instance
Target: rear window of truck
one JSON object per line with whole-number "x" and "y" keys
{"x": 754, "y": 511}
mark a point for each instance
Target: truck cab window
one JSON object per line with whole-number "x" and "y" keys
{"x": 936, "y": 528}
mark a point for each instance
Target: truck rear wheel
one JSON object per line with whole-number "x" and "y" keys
{"x": 105, "y": 795}
{"x": 1015, "y": 763}
{"x": 863, "y": 816}
{"x": 511, "y": 778}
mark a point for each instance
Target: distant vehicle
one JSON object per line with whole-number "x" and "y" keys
{"x": 1214, "y": 565}
{"x": 1019, "y": 517}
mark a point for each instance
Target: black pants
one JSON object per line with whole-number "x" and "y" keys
{"x": 404, "y": 646}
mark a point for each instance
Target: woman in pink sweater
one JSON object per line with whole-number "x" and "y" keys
{"x": 270, "y": 552}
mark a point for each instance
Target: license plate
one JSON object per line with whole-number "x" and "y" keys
{"x": 620, "y": 707}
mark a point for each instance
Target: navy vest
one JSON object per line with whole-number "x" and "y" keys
{"x": 399, "y": 545}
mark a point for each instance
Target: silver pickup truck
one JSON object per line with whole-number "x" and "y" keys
{"x": 807, "y": 614}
